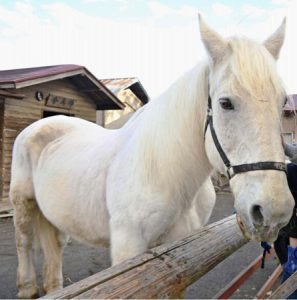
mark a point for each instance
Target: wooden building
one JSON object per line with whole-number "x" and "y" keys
{"x": 27, "y": 95}
{"x": 289, "y": 120}
{"x": 131, "y": 93}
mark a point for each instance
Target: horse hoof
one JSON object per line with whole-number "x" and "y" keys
{"x": 28, "y": 294}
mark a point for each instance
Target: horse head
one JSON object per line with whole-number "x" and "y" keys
{"x": 243, "y": 128}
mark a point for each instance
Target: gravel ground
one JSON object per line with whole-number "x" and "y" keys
{"x": 81, "y": 261}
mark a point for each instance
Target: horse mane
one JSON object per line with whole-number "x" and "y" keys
{"x": 168, "y": 129}
{"x": 254, "y": 69}
{"x": 171, "y": 126}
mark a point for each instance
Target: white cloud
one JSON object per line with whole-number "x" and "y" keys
{"x": 94, "y": 1}
{"x": 221, "y": 10}
{"x": 108, "y": 48}
{"x": 253, "y": 11}
{"x": 188, "y": 11}
{"x": 57, "y": 33}
{"x": 280, "y": 2}
{"x": 160, "y": 10}
{"x": 288, "y": 61}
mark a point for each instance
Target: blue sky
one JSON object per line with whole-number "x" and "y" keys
{"x": 155, "y": 40}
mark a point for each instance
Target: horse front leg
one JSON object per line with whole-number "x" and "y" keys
{"x": 24, "y": 213}
{"x": 126, "y": 242}
{"x": 133, "y": 236}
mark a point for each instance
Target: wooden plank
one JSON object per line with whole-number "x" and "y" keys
{"x": 285, "y": 289}
{"x": 230, "y": 288}
{"x": 162, "y": 272}
{"x": 262, "y": 293}
{"x": 4, "y": 216}
{"x": 5, "y": 206}
{"x": 1, "y": 143}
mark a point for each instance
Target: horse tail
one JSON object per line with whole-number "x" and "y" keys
{"x": 21, "y": 182}
{"x": 27, "y": 149}
{"x": 47, "y": 237}
{"x": 22, "y": 196}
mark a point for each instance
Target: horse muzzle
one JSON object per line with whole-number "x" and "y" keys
{"x": 259, "y": 233}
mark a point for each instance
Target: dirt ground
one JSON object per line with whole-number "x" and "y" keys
{"x": 81, "y": 261}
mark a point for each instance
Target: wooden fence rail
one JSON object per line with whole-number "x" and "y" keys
{"x": 286, "y": 289}
{"x": 237, "y": 281}
{"x": 164, "y": 271}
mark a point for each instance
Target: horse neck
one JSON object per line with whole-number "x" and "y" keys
{"x": 171, "y": 134}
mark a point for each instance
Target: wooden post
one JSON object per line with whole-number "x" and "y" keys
{"x": 162, "y": 272}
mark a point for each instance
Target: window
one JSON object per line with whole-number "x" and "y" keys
{"x": 288, "y": 137}
{"x": 48, "y": 113}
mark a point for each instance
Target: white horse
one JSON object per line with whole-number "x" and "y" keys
{"x": 149, "y": 182}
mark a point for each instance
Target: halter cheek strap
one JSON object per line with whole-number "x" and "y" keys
{"x": 233, "y": 170}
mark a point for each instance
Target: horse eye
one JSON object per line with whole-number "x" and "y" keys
{"x": 226, "y": 103}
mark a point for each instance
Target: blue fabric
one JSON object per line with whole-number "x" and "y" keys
{"x": 291, "y": 228}
{"x": 285, "y": 276}
{"x": 291, "y": 265}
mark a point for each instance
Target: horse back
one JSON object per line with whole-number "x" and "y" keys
{"x": 31, "y": 142}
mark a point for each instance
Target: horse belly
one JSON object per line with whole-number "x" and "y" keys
{"x": 71, "y": 195}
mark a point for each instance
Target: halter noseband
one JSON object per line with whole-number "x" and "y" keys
{"x": 233, "y": 170}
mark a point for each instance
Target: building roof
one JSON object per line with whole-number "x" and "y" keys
{"x": 291, "y": 104}
{"x": 80, "y": 76}
{"x": 118, "y": 84}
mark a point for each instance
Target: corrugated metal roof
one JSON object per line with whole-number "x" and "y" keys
{"x": 118, "y": 84}
{"x": 21, "y": 75}
{"x": 80, "y": 76}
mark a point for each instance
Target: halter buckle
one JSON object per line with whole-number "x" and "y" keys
{"x": 209, "y": 111}
{"x": 230, "y": 172}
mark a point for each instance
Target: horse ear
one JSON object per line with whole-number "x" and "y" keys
{"x": 274, "y": 43}
{"x": 215, "y": 44}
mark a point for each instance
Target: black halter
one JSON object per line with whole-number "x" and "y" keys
{"x": 233, "y": 170}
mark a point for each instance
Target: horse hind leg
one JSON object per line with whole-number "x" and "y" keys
{"x": 52, "y": 243}
{"x": 24, "y": 213}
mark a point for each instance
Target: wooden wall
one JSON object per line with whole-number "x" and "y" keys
{"x": 132, "y": 103}
{"x": 1, "y": 139}
{"x": 289, "y": 126}
{"x": 18, "y": 114}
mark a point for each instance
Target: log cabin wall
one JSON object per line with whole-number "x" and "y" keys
{"x": 132, "y": 103}
{"x": 19, "y": 113}
{"x": 289, "y": 126}
{"x": 1, "y": 139}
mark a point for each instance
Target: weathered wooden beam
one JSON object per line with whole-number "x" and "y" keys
{"x": 162, "y": 272}
{"x": 286, "y": 288}
{"x": 14, "y": 95}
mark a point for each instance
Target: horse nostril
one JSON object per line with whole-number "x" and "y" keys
{"x": 257, "y": 216}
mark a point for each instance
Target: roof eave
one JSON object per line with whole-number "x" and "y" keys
{"x": 104, "y": 89}
{"x": 82, "y": 71}
{"x": 25, "y": 83}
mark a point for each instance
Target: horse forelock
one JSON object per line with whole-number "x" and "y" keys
{"x": 254, "y": 70}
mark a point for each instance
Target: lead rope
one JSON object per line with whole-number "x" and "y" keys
{"x": 266, "y": 246}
